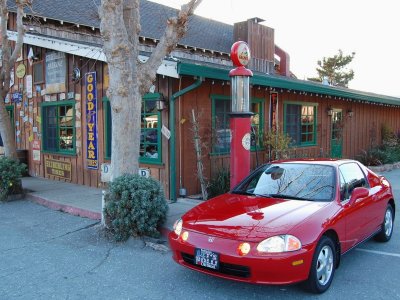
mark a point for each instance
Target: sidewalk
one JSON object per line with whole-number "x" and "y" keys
{"x": 85, "y": 201}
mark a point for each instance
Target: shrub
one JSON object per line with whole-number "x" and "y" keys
{"x": 220, "y": 183}
{"x": 371, "y": 157}
{"x": 278, "y": 143}
{"x": 11, "y": 171}
{"x": 135, "y": 206}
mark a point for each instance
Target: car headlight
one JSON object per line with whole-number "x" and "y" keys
{"x": 178, "y": 227}
{"x": 279, "y": 243}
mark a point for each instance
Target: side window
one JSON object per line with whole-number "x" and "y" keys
{"x": 343, "y": 187}
{"x": 58, "y": 123}
{"x": 353, "y": 177}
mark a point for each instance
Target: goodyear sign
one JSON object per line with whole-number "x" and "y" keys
{"x": 92, "y": 152}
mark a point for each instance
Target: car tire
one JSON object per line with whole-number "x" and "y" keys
{"x": 322, "y": 267}
{"x": 386, "y": 231}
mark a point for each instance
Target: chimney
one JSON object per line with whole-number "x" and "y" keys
{"x": 261, "y": 41}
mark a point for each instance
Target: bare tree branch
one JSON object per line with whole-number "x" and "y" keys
{"x": 176, "y": 28}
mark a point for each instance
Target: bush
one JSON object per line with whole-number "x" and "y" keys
{"x": 220, "y": 183}
{"x": 371, "y": 157}
{"x": 135, "y": 206}
{"x": 11, "y": 171}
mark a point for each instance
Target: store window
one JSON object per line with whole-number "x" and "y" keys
{"x": 221, "y": 134}
{"x": 58, "y": 121}
{"x": 300, "y": 123}
{"x": 150, "y": 136}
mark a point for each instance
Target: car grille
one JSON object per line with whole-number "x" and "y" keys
{"x": 224, "y": 268}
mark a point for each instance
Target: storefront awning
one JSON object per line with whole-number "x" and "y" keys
{"x": 167, "y": 68}
{"x": 279, "y": 82}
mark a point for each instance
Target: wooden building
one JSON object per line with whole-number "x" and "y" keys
{"x": 62, "y": 67}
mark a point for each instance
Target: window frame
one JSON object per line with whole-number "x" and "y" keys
{"x": 314, "y": 142}
{"x": 253, "y": 100}
{"x": 58, "y": 104}
{"x": 346, "y": 195}
{"x": 108, "y": 130}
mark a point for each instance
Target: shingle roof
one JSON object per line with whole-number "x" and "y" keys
{"x": 203, "y": 33}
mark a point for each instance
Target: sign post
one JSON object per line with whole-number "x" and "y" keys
{"x": 240, "y": 122}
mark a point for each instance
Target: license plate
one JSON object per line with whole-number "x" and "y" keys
{"x": 207, "y": 258}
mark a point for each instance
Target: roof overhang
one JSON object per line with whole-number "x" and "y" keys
{"x": 167, "y": 68}
{"x": 280, "y": 82}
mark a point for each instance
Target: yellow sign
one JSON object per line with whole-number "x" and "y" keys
{"x": 57, "y": 168}
{"x": 21, "y": 69}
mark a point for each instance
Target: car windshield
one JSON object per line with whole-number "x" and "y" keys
{"x": 297, "y": 181}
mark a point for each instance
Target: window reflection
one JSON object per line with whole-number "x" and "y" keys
{"x": 66, "y": 127}
{"x": 149, "y": 136}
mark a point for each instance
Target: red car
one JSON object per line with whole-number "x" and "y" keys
{"x": 287, "y": 222}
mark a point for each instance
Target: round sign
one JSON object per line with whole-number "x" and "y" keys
{"x": 21, "y": 69}
{"x": 240, "y": 54}
{"x": 246, "y": 141}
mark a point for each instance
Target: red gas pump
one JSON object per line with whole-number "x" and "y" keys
{"x": 240, "y": 122}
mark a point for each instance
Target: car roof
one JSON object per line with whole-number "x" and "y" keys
{"x": 316, "y": 161}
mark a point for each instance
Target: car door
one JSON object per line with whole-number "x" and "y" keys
{"x": 359, "y": 215}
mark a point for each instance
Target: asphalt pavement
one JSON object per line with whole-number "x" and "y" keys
{"x": 48, "y": 254}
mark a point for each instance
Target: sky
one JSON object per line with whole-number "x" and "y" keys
{"x": 310, "y": 30}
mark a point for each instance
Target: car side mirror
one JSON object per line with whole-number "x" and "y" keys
{"x": 358, "y": 193}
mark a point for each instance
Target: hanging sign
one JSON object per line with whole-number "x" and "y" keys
{"x": 91, "y": 121}
{"x": 21, "y": 70}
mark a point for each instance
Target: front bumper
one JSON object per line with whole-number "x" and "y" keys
{"x": 272, "y": 268}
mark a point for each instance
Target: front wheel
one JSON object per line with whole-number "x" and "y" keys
{"x": 322, "y": 267}
{"x": 387, "y": 226}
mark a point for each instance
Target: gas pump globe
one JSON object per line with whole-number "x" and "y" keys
{"x": 240, "y": 123}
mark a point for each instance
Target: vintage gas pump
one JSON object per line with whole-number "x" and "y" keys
{"x": 240, "y": 122}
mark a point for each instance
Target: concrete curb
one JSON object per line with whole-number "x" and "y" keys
{"x": 385, "y": 168}
{"x": 80, "y": 212}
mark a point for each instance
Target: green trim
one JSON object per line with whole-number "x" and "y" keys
{"x": 260, "y": 101}
{"x": 10, "y": 110}
{"x": 108, "y": 130}
{"x": 314, "y": 123}
{"x": 222, "y": 73}
{"x": 58, "y": 104}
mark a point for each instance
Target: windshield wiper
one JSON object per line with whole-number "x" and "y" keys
{"x": 283, "y": 196}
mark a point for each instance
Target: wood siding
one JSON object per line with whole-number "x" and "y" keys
{"x": 360, "y": 132}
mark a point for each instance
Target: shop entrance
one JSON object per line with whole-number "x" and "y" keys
{"x": 337, "y": 133}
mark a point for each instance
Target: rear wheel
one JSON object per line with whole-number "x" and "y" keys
{"x": 322, "y": 267}
{"x": 387, "y": 226}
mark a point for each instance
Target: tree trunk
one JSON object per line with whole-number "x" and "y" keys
{"x": 9, "y": 57}
{"x": 7, "y": 132}
{"x": 129, "y": 79}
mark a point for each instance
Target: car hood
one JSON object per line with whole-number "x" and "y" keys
{"x": 248, "y": 218}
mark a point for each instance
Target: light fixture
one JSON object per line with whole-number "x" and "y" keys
{"x": 161, "y": 104}
{"x": 350, "y": 113}
{"x": 329, "y": 111}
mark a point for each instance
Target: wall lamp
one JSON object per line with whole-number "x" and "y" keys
{"x": 350, "y": 113}
{"x": 329, "y": 111}
{"x": 161, "y": 104}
